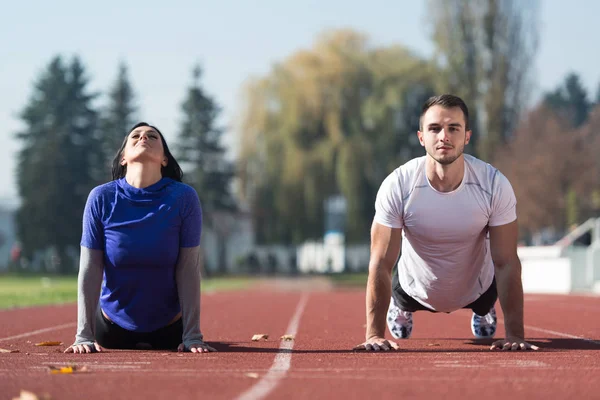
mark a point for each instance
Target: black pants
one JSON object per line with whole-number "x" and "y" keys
{"x": 112, "y": 336}
{"x": 481, "y": 306}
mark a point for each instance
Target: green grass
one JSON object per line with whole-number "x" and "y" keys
{"x": 358, "y": 279}
{"x": 21, "y": 291}
{"x": 226, "y": 283}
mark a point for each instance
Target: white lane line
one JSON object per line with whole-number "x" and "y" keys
{"x": 52, "y": 328}
{"x": 282, "y": 361}
{"x": 566, "y": 335}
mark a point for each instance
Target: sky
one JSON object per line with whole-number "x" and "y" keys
{"x": 234, "y": 41}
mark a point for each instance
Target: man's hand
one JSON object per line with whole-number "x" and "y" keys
{"x": 84, "y": 348}
{"x": 512, "y": 344}
{"x": 377, "y": 344}
{"x": 196, "y": 348}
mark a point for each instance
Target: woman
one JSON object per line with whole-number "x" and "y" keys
{"x": 139, "y": 254}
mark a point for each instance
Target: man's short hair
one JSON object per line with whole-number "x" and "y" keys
{"x": 446, "y": 101}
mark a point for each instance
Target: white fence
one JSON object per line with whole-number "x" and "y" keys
{"x": 569, "y": 266}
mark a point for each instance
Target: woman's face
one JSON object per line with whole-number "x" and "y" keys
{"x": 144, "y": 144}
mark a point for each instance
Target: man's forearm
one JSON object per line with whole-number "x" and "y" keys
{"x": 510, "y": 294}
{"x": 379, "y": 291}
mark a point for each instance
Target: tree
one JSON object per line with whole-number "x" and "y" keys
{"x": 550, "y": 193}
{"x": 589, "y": 180}
{"x": 59, "y": 162}
{"x": 332, "y": 120}
{"x": 487, "y": 49}
{"x": 200, "y": 149}
{"x": 570, "y": 100}
{"x": 119, "y": 115}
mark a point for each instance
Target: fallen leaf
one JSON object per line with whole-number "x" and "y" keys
{"x": 9, "y": 351}
{"x": 433, "y": 344}
{"x": 49, "y": 343}
{"x": 252, "y": 375}
{"x": 27, "y": 395}
{"x": 260, "y": 336}
{"x": 287, "y": 337}
{"x": 69, "y": 369}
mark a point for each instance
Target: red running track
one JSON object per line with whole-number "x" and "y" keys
{"x": 440, "y": 359}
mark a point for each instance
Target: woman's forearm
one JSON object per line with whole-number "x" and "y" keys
{"x": 89, "y": 281}
{"x": 188, "y": 278}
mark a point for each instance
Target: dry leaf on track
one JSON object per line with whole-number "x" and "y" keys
{"x": 260, "y": 336}
{"x": 287, "y": 337}
{"x": 27, "y": 395}
{"x": 9, "y": 351}
{"x": 69, "y": 369}
{"x": 49, "y": 343}
{"x": 253, "y": 375}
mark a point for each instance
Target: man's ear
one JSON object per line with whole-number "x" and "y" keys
{"x": 468, "y": 136}
{"x": 420, "y": 136}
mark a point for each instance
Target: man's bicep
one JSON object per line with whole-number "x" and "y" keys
{"x": 385, "y": 245}
{"x": 503, "y": 242}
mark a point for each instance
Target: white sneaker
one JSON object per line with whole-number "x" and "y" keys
{"x": 400, "y": 323}
{"x": 484, "y": 327}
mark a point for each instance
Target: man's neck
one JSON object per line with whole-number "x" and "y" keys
{"x": 445, "y": 178}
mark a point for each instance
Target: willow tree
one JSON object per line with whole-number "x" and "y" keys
{"x": 334, "y": 119}
{"x": 487, "y": 49}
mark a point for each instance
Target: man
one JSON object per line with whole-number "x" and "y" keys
{"x": 454, "y": 217}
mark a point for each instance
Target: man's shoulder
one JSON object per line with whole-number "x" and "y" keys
{"x": 404, "y": 177}
{"x": 485, "y": 174}
{"x": 411, "y": 167}
{"x": 483, "y": 170}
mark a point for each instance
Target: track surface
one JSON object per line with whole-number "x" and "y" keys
{"x": 441, "y": 358}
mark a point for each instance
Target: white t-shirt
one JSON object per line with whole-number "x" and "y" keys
{"x": 445, "y": 262}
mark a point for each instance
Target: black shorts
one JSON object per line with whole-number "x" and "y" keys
{"x": 112, "y": 336}
{"x": 481, "y": 306}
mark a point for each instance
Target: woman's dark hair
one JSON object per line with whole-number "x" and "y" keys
{"x": 172, "y": 170}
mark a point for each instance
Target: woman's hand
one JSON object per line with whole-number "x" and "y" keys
{"x": 196, "y": 348}
{"x": 84, "y": 348}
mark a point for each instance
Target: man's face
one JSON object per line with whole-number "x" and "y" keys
{"x": 444, "y": 136}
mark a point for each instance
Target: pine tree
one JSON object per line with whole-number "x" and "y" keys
{"x": 119, "y": 115}
{"x": 200, "y": 149}
{"x": 58, "y": 164}
{"x": 570, "y": 100}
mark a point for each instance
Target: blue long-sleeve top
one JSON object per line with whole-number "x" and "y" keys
{"x": 140, "y": 232}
